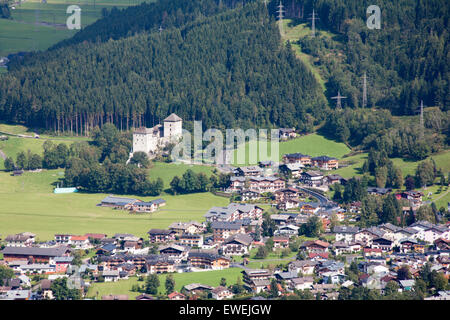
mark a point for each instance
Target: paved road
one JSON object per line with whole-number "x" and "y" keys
{"x": 322, "y": 199}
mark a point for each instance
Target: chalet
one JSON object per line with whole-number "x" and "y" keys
{"x": 80, "y": 242}
{"x": 407, "y": 245}
{"x": 378, "y": 191}
{"x": 190, "y": 227}
{"x": 287, "y": 133}
{"x": 367, "y": 235}
{"x": 107, "y": 249}
{"x": 220, "y": 293}
{"x": 34, "y": 254}
{"x": 312, "y": 178}
{"x": 247, "y": 195}
{"x": 256, "y": 280}
{"x": 161, "y": 235}
{"x": 191, "y": 240}
{"x": 224, "y": 230}
{"x": 303, "y": 283}
{"x": 280, "y": 242}
{"x": 288, "y": 193}
{"x": 309, "y": 207}
{"x": 287, "y": 204}
{"x": 390, "y": 231}
{"x": 334, "y": 178}
{"x": 238, "y": 244}
{"x": 280, "y": 219}
{"x": 303, "y": 159}
{"x": 174, "y": 252}
{"x": 372, "y": 252}
{"x": 95, "y": 236}
{"x": 266, "y": 184}
{"x": 24, "y": 239}
{"x": 132, "y": 246}
{"x": 382, "y": 243}
{"x": 196, "y": 288}
{"x": 345, "y": 233}
{"x": 234, "y": 211}
{"x": 144, "y": 297}
{"x": 117, "y": 202}
{"x": 292, "y": 170}
{"x": 176, "y": 296}
{"x": 208, "y": 260}
{"x": 159, "y": 264}
{"x": 236, "y": 184}
{"x": 325, "y": 162}
{"x": 315, "y": 246}
{"x": 287, "y": 230}
{"x": 442, "y": 244}
{"x": 250, "y": 171}
{"x": 110, "y": 275}
{"x": 434, "y": 233}
{"x": 414, "y": 197}
{"x": 61, "y": 264}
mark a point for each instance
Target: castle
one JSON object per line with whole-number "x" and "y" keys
{"x": 149, "y": 140}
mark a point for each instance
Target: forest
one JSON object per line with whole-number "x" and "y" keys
{"x": 228, "y": 70}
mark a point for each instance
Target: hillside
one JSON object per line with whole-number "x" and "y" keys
{"x": 210, "y": 70}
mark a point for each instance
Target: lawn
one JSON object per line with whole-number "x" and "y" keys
{"x": 442, "y": 160}
{"x": 21, "y": 33}
{"x": 211, "y": 278}
{"x": 354, "y": 165}
{"x": 311, "y": 144}
{"x": 28, "y": 204}
{"x": 166, "y": 171}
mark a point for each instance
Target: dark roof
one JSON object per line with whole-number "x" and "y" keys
{"x": 159, "y": 231}
{"x": 226, "y": 225}
{"x": 323, "y": 158}
{"x": 35, "y": 251}
{"x": 297, "y": 155}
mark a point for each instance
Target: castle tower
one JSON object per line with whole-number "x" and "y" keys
{"x": 173, "y": 126}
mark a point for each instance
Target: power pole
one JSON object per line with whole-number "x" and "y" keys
{"x": 364, "y": 102}
{"x": 313, "y": 19}
{"x": 160, "y": 29}
{"x": 422, "y": 126}
{"x": 338, "y": 99}
{"x": 280, "y": 17}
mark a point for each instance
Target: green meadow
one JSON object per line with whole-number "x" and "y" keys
{"x": 311, "y": 144}
{"x": 28, "y": 204}
{"x": 211, "y": 278}
{"x": 38, "y": 26}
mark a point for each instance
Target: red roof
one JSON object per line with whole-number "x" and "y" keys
{"x": 78, "y": 238}
{"x": 318, "y": 254}
{"x": 175, "y": 294}
{"x": 96, "y": 235}
{"x": 372, "y": 250}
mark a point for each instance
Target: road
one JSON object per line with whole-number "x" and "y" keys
{"x": 322, "y": 199}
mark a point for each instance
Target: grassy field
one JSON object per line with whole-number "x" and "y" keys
{"x": 409, "y": 167}
{"x": 211, "y": 278}
{"x": 28, "y": 204}
{"x": 166, "y": 171}
{"x": 354, "y": 165}
{"x": 37, "y": 26}
{"x": 312, "y": 144}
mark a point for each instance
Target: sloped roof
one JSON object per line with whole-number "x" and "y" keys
{"x": 173, "y": 118}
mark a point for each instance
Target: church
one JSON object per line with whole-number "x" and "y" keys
{"x": 150, "y": 140}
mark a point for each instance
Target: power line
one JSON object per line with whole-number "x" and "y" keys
{"x": 338, "y": 99}
{"x": 280, "y": 17}
{"x": 313, "y": 19}
{"x": 364, "y": 102}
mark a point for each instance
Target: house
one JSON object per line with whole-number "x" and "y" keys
{"x": 325, "y": 162}
{"x": 161, "y": 235}
{"x": 117, "y": 202}
{"x": 250, "y": 171}
{"x": 382, "y": 243}
{"x": 80, "y": 242}
{"x": 292, "y": 170}
{"x": 196, "y": 288}
{"x": 220, "y": 293}
{"x": 24, "y": 239}
{"x": 234, "y": 211}
{"x": 414, "y": 197}
{"x": 16, "y": 295}
{"x": 236, "y": 184}
{"x": 334, "y": 178}
{"x": 190, "y": 227}
{"x": 378, "y": 191}
{"x": 191, "y": 240}
{"x": 280, "y": 219}
{"x": 34, "y": 254}
{"x": 287, "y": 133}
{"x": 287, "y": 230}
{"x": 45, "y": 286}
{"x": 106, "y": 249}
{"x": 312, "y": 178}
{"x": 345, "y": 233}
{"x": 144, "y": 297}
{"x": 208, "y": 260}
{"x": 442, "y": 244}
{"x": 309, "y": 207}
{"x": 368, "y": 234}
{"x": 176, "y": 296}
{"x": 238, "y": 244}
{"x": 280, "y": 242}
{"x": 174, "y": 252}
{"x": 333, "y": 277}
{"x": 266, "y": 184}
{"x": 159, "y": 264}
{"x": 256, "y": 280}
{"x": 93, "y": 237}
{"x": 60, "y": 263}
{"x": 110, "y": 275}
{"x": 407, "y": 285}
{"x": 316, "y": 246}
{"x": 303, "y": 283}
{"x": 302, "y": 266}
{"x": 287, "y": 204}
{"x": 303, "y": 159}
{"x": 224, "y": 230}
{"x": 247, "y": 195}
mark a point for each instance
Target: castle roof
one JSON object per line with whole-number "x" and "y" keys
{"x": 173, "y": 118}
